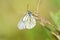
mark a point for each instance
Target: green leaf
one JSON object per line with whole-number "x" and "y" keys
{"x": 56, "y": 2}
{"x": 56, "y": 18}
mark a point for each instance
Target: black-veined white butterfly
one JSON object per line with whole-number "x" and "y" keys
{"x": 27, "y": 22}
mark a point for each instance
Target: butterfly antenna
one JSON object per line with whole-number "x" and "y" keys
{"x": 27, "y": 7}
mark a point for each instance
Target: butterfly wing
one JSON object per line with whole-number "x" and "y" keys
{"x": 31, "y": 22}
{"x": 22, "y": 23}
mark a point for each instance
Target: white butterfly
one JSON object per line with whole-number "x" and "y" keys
{"x": 27, "y": 22}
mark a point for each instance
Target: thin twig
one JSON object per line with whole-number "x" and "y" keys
{"x": 44, "y": 21}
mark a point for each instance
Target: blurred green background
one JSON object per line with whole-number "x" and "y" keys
{"x": 11, "y": 12}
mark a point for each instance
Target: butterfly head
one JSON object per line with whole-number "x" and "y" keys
{"x": 29, "y": 13}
